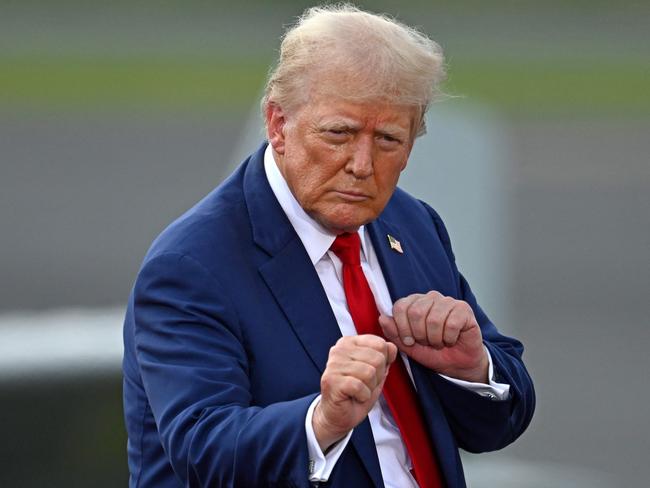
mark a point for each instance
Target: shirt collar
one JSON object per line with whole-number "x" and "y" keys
{"x": 316, "y": 239}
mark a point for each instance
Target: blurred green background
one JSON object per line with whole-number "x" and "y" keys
{"x": 115, "y": 117}
{"x": 555, "y": 58}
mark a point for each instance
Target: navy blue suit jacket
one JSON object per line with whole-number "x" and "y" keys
{"x": 227, "y": 334}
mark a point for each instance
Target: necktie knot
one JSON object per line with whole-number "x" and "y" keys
{"x": 347, "y": 247}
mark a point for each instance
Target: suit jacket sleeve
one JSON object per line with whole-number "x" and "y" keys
{"x": 479, "y": 423}
{"x": 193, "y": 362}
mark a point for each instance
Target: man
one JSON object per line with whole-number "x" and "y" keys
{"x": 306, "y": 322}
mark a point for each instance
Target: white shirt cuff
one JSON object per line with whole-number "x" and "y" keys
{"x": 493, "y": 390}
{"x": 320, "y": 464}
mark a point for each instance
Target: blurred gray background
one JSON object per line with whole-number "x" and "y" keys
{"x": 115, "y": 118}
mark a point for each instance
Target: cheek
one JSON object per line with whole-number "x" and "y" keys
{"x": 313, "y": 186}
{"x": 305, "y": 185}
{"x": 387, "y": 180}
{"x": 318, "y": 175}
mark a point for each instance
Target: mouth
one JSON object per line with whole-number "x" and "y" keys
{"x": 352, "y": 196}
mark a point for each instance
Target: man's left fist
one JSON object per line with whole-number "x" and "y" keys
{"x": 440, "y": 333}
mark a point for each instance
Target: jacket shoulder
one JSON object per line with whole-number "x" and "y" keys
{"x": 219, "y": 217}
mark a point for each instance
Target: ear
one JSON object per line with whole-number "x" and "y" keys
{"x": 275, "y": 123}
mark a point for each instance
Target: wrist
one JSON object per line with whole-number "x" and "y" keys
{"x": 325, "y": 436}
{"x": 474, "y": 374}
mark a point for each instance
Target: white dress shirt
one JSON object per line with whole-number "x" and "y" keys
{"x": 394, "y": 460}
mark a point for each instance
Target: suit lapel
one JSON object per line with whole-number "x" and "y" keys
{"x": 294, "y": 283}
{"x": 288, "y": 272}
{"x": 404, "y": 272}
{"x": 397, "y": 268}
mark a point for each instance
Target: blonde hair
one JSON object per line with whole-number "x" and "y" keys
{"x": 369, "y": 56}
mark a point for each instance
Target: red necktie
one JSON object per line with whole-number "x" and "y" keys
{"x": 398, "y": 389}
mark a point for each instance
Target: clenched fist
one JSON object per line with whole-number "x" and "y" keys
{"x": 351, "y": 384}
{"x": 440, "y": 333}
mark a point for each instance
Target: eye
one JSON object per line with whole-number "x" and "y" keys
{"x": 336, "y": 135}
{"x": 389, "y": 140}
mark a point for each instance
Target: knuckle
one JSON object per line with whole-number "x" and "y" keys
{"x": 355, "y": 386}
{"x": 334, "y": 353}
{"x": 448, "y": 300}
{"x": 378, "y": 359}
{"x": 367, "y": 373}
{"x": 325, "y": 382}
{"x": 434, "y": 319}
{"x": 370, "y": 341}
{"x": 361, "y": 393}
{"x": 454, "y": 322}
{"x": 343, "y": 341}
{"x": 418, "y": 311}
{"x": 400, "y": 306}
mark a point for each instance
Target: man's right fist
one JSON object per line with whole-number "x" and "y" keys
{"x": 351, "y": 384}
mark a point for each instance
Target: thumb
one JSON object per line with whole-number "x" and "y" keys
{"x": 389, "y": 328}
{"x": 425, "y": 355}
{"x": 392, "y": 353}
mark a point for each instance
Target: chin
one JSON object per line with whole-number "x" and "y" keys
{"x": 343, "y": 218}
{"x": 339, "y": 225}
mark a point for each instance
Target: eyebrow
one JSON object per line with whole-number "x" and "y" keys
{"x": 348, "y": 124}
{"x": 392, "y": 130}
{"x": 339, "y": 124}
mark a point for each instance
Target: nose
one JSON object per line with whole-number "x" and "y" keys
{"x": 360, "y": 161}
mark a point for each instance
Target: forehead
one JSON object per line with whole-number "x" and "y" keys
{"x": 328, "y": 108}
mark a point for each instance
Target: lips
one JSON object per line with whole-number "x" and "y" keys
{"x": 352, "y": 196}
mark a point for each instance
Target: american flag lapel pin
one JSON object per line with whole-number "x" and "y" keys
{"x": 394, "y": 244}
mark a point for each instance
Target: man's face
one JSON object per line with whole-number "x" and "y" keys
{"x": 342, "y": 159}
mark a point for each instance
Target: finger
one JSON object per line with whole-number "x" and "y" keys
{"x": 390, "y": 332}
{"x": 343, "y": 367}
{"x": 371, "y": 341}
{"x": 400, "y": 315}
{"x": 368, "y": 349}
{"x": 389, "y": 328}
{"x": 392, "y": 353}
{"x": 370, "y": 375}
{"x": 436, "y": 318}
{"x": 471, "y": 318}
{"x": 379, "y": 360}
{"x": 354, "y": 388}
{"x": 417, "y": 314}
{"x": 454, "y": 324}
{"x": 351, "y": 346}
